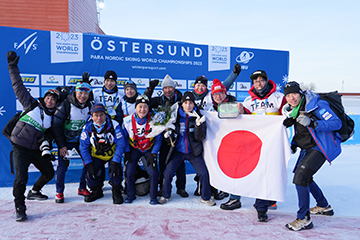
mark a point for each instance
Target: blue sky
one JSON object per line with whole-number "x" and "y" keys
{"x": 323, "y": 37}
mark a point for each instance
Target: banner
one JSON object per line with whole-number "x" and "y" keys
{"x": 50, "y": 59}
{"x": 247, "y": 156}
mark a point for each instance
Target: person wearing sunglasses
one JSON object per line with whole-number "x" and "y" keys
{"x": 136, "y": 128}
{"x": 169, "y": 97}
{"x": 263, "y": 100}
{"x": 68, "y": 121}
{"x": 29, "y": 137}
{"x": 314, "y": 125}
{"x": 110, "y": 96}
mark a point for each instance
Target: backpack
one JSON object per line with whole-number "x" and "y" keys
{"x": 12, "y": 122}
{"x": 334, "y": 99}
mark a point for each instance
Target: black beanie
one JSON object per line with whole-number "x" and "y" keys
{"x": 110, "y": 75}
{"x": 188, "y": 96}
{"x": 292, "y": 87}
{"x": 142, "y": 99}
{"x": 201, "y": 79}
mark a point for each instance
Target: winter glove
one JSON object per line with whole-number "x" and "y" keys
{"x": 153, "y": 83}
{"x": 86, "y": 77}
{"x": 237, "y": 69}
{"x": 152, "y": 160}
{"x": 288, "y": 122}
{"x": 170, "y": 133}
{"x": 293, "y": 148}
{"x": 303, "y": 120}
{"x": 114, "y": 169}
{"x": 127, "y": 157}
{"x": 12, "y": 58}
{"x": 91, "y": 170}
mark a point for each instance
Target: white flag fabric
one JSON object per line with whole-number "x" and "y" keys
{"x": 247, "y": 156}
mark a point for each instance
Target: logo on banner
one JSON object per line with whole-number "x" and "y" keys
{"x": 243, "y": 86}
{"x": 73, "y": 80}
{"x": 30, "y": 79}
{"x": 219, "y": 58}
{"x": 66, "y": 47}
{"x": 141, "y": 82}
{"x": 28, "y": 43}
{"x": 244, "y": 57}
{"x": 56, "y": 80}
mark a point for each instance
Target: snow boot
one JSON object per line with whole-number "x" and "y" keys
{"x": 116, "y": 195}
{"x": 96, "y": 193}
{"x": 20, "y": 213}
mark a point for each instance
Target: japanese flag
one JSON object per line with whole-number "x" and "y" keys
{"x": 247, "y": 156}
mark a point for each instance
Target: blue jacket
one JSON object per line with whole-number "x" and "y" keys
{"x": 189, "y": 136}
{"x": 328, "y": 141}
{"x": 115, "y": 135}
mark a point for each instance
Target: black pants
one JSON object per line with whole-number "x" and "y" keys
{"x": 23, "y": 157}
{"x": 180, "y": 172}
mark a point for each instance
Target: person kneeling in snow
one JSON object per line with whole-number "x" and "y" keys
{"x": 102, "y": 140}
{"x": 190, "y": 132}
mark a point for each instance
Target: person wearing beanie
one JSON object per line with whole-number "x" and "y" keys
{"x": 219, "y": 94}
{"x": 102, "y": 141}
{"x": 314, "y": 125}
{"x": 136, "y": 129}
{"x": 169, "y": 97}
{"x": 110, "y": 96}
{"x": 68, "y": 120}
{"x": 190, "y": 131}
{"x": 203, "y": 96}
{"x": 127, "y": 104}
{"x": 263, "y": 100}
{"x": 30, "y": 135}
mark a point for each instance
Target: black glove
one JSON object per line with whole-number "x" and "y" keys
{"x": 114, "y": 169}
{"x": 237, "y": 69}
{"x": 153, "y": 84}
{"x": 12, "y": 58}
{"x": 86, "y": 77}
{"x": 152, "y": 160}
{"x": 127, "y": 157}
{"x": 288, "y": 122}
{"x": 293, "y": 148}
{"x": 91, "y": 170}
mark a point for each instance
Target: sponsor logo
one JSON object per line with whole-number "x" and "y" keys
{"x": 30, "y": 79}
{"x": 57, "y": 80}
{"x": 28, "y": 43}
{"x": 244, "y": 57}
{"x": 141, "y": 82}
{"x": 243, "y": 86}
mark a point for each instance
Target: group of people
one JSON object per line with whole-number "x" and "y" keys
{"x": 107, "y": 125}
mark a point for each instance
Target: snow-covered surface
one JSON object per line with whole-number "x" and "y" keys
{"x": 185, "y": 218}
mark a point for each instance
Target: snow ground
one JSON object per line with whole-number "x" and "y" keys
{"x": 187, "y": 217}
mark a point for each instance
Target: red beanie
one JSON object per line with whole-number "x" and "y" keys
{"x": 217, "y": 87}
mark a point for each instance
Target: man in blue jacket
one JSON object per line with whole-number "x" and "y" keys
{"x": 101, "y": 141}
{"x": 314, "y": 124}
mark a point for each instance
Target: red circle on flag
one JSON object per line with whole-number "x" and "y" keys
{"x": 239, "y": 153}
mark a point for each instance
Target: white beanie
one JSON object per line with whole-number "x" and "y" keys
{"x": 168, "y": 82}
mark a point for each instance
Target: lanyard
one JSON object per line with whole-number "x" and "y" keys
{"x": 105, "y": 101}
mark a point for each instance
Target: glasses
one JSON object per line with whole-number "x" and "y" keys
{"x": 219, "y": 94}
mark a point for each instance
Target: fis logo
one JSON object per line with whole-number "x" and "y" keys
{"x": 28, "y": 43}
